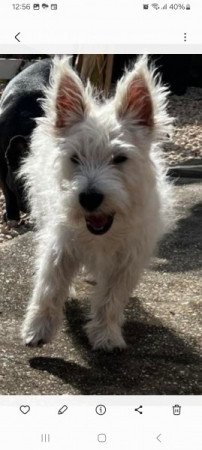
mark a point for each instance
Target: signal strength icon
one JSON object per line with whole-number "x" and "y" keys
{"x": 165, "y": 6}
{"x": 155, "y": 6}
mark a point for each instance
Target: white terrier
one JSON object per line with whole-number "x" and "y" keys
{"x": 98, "y": 194}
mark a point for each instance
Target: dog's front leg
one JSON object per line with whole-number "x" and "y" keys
{"x": 112, "y": 294}
{"x": 53, "y": 278}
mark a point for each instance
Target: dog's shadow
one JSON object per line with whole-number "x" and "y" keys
{"x": 157, "y": 361}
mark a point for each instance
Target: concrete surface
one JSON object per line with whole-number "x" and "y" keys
{"x": 163, "y": 327}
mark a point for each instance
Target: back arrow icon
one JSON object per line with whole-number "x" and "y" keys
{"x": 16, "y": 37}
{"x": 158, "y": 438}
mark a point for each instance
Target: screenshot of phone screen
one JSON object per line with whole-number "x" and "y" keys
{"x": 100, "y": 225}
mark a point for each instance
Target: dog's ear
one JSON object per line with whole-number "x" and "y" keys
{"x": 66, "y": 96}
{"x": 141, "y": 101}
{"x": 17, "y": 150}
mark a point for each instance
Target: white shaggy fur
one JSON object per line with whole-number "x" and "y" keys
{"x": 73, "y": 150}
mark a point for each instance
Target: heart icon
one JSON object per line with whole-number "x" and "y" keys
{"x": 24, "y": 409}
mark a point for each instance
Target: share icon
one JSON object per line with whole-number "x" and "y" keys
{"x": 139, "y": 409}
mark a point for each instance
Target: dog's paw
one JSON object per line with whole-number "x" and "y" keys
{"x": 38, "y": 330}
{"x": 104, "y": 338}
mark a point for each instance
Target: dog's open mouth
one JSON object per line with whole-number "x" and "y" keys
{"x": 99, "y": 223}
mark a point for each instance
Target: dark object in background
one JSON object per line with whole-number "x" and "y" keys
{"x": 175, "y": 70}
{"x": 19, "y": 107}
{"x": 178, "y": 71}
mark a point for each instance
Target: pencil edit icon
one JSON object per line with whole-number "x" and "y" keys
{"x": 63, "y": 409}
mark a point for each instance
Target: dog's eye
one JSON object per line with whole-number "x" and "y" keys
{"x": 75, "y": 159}
{"x": 119, "y": 159}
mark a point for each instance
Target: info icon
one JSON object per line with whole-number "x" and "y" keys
{"x": 100, "y": 410}
{"x": 176, "y": 410}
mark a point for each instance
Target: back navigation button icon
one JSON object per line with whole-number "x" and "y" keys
{"x": 17, "y": 37}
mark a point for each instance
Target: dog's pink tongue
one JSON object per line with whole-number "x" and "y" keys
{"x": 97, "y": 221}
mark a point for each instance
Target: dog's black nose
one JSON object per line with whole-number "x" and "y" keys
{"x": 90, "y": 200}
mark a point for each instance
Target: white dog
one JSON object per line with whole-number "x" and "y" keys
{"x": 98, "y": 194}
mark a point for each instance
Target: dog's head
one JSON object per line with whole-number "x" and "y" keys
{"x": 103, "y": 163}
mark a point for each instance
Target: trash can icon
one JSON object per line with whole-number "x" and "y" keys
{"x": 176, "y": 410}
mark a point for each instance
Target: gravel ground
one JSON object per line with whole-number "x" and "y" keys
{"x": 186, "y": 145}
